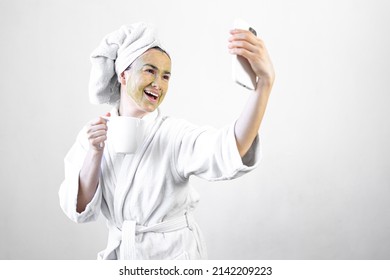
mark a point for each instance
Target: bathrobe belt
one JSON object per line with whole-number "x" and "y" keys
{"x": 130, "y": 229}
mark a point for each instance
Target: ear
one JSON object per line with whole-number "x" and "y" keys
{"x": 122, "y": 78}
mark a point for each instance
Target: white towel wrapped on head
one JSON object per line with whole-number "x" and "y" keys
{"x": 114, "y": 54}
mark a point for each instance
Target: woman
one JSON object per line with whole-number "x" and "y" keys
{"x": 146, "y": 197}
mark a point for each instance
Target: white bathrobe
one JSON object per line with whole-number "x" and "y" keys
{"x": 146, "y": 197}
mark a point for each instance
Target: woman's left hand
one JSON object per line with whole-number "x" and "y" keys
{"x": 246, "y": 44}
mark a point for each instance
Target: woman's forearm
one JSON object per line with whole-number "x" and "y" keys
{"x": 248, "y": 124}
{"x": 88, "y": 179}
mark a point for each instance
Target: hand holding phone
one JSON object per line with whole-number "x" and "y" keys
{"x": 241, "y": 70}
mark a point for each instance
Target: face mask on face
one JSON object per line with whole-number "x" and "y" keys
{"x": 147, "y": 80}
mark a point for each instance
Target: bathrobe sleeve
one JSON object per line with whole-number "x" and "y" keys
{"x": 69, "y": 187}
{"x": 212, "y": 154}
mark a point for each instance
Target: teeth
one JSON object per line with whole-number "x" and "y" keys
{"x": 151, "y": 93}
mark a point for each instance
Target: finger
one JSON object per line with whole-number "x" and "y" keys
{"x": 97, "y": 121}
{"x": 255, "y": 45}
{"x": 243, "y": 52}
{"x": 105, "y": 118}
{"x": 258, "y": 50}
{"x": 100, "y": 120}
{"x": 248, "y": 37}
{"x": 97, "y": 127}
{"x": 243, "y": 31}
{"x": 243, "y": 44}
{"x": 238, "y": 30}
{"x": 97, "y": 134}
{"x": 96, "y": 141}
{"x": 240, "y": 34}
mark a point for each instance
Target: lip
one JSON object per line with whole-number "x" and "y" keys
{"x": 151, "y": 99}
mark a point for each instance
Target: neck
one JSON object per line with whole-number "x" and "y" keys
{"x": 128, "y": 108}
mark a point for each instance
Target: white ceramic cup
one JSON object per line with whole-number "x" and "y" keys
{"x": 125, "y": 133}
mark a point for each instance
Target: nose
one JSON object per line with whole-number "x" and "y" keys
{"x": 156, "y": 83}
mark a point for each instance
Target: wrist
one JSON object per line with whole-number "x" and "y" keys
{"x": 95, "y": 153}
{"x": 264, "y": 86}
{"x": 265, "y": 82}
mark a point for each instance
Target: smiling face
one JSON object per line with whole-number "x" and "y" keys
{"x": 145, "y": 83}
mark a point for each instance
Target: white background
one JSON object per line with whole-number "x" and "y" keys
{"x": 322, "y": 190}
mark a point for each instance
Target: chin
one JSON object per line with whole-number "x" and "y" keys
{"x": 150, "y": 109}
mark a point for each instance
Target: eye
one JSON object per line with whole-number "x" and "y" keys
{"x": 151, "y": 71}
{"x": 166, "y": 77}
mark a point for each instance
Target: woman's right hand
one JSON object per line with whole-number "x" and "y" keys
{"x": 97, "y": 133}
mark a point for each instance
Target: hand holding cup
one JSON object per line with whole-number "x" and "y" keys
{"x": 97, "y": 133}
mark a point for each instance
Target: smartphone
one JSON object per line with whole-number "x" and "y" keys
{"x": 241, "y": 70}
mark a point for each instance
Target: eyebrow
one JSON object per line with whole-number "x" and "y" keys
{"x": 156, "y": 68}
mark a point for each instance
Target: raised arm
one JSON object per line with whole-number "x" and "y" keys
{"x": 244, "y": 43}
